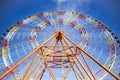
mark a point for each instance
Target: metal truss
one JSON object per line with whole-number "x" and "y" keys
{"x": 59, "y": 51}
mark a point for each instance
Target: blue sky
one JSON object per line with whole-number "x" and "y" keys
{"x": 107, "y": 11}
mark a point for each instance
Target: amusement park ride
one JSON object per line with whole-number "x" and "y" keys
{"x": 60, "y": 45}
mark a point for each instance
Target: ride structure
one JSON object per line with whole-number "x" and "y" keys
{"x": 60, "y": 45}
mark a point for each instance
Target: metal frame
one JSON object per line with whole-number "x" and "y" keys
{"x": 55, "y": 53}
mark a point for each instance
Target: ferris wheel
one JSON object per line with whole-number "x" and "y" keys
{"x": 96, "y": 46}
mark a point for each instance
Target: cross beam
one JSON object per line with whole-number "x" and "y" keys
{"x": 62, "y": 55}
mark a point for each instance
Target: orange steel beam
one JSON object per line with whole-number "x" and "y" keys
{"x": 88, "y": 66}
{"x": 76, "y": 75}
{"x": 51, "y": 73}
{"x": 66, "y": 73}
{"x": 45, "y": 51}
{"x": 11, "y": 73}
{"x": 63, "y": 46}
{"x": 37, "y": 70}
{"x": 58, "y": 60}
{"x": 37, "y": 63}
{"x": 42, "y": 73}
{"x": 46, "y": 64}
{"x": 45, "y": 57}
{"x": 29, "y": 66}
{"x": 88, "y": 74}
{"x": 60, "y": 55}
{"x": 80, "y": 71}
{"x": 32, "y": 62}
{"x": 80, "y": 63}
{"x": 49, "y": 46}
{"x": 26, "y": 57}
{"x": 33, "y": 69}
{"x": 58, "y": 46}
{"x": 54, "y": 45}
{"x": 57, "y": 67}
{"x": 67, "y": 44}
{"x": 79, "y": 76}
{"x": 59, "y": 36}
{"x": 66, "y": 47}
{"x": 101, "y": 65}
{"x": 71, "y": 49}
{"x": 72, "y": 59}
{"x": 83, "y": 58}
{"x": 78, "y": 60}
{"x": 72, "y": 53}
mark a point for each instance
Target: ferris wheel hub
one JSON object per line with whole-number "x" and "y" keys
{"x": 60, "y": 33}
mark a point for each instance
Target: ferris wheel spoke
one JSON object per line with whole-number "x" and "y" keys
{"x": 99, "y": 58}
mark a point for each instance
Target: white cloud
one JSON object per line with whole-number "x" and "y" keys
{"x": 73, "y": 5}
{"x": 59, "y": 1}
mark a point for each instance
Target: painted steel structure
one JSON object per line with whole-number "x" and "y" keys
{"x": 59, "y": 45}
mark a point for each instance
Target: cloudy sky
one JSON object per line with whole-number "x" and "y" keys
{"x": 107, "y": 11}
